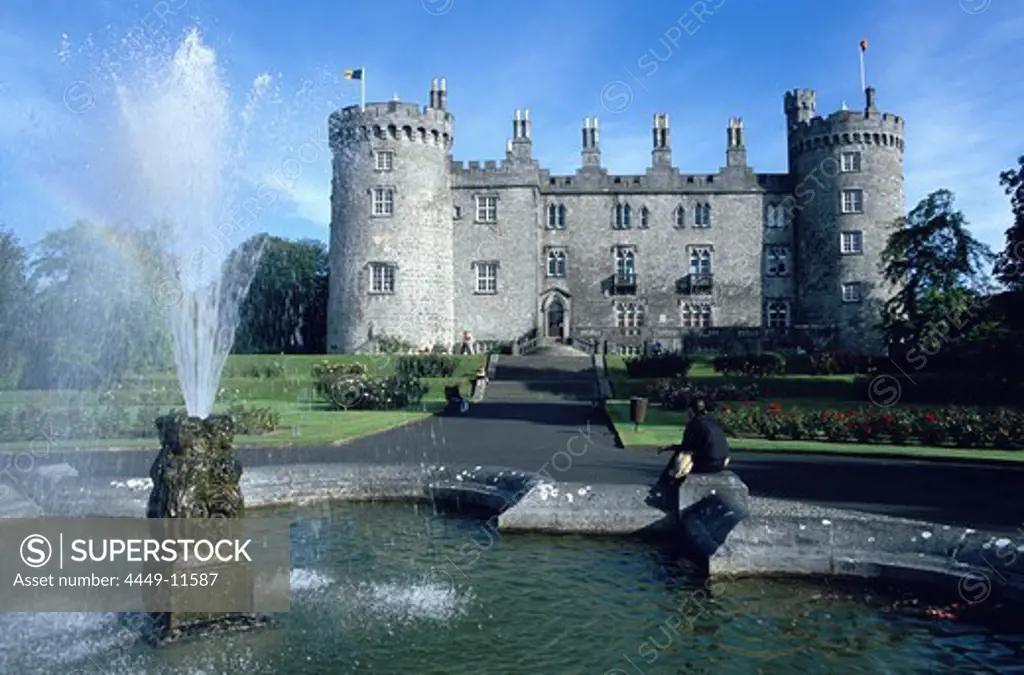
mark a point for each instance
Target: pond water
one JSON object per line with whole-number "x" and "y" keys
{"x": 395, "y": 588}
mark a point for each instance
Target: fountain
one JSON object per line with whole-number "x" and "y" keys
{"x": 179, "y": 131}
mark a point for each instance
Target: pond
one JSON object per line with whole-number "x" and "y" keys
{"x": 396, "y": 588}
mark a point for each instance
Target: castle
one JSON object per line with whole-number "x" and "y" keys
{"x": 424, "y": 247}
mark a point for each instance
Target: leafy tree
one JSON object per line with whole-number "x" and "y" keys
{"x": 1009, "y": 268}
{"x": 285, "y": 310}
{"x": 93, "y": 318}
{"x": 13, "y": 306}
{"x": 936, "y": 267}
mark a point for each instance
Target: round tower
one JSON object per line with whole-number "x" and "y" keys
{"x": 392, "y": 242}
{"x": 848, "y": 175}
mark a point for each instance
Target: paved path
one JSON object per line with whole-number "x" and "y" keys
{"x": 539, "y": 415}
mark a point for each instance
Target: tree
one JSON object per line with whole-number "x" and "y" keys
{"x": 13, "y": 306}
{"x": 93, "y": 318}
{"x": 285, "y": 310}
{"x": 935, "y": 265}
{"x": 1009, "y": 268}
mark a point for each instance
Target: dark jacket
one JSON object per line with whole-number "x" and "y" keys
{"x": 706, "y": 440}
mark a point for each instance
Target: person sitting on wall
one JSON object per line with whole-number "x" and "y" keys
{"x": 455, "y": 399}
{"x": 704, "y": 448}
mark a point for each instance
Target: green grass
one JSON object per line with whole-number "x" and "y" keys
{"x": 665, "y": 427}
{"x": 305, "y": 420}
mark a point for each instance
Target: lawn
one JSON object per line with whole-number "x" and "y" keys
{"x": 289, "y": 389}
{"x": 662, "y": 428}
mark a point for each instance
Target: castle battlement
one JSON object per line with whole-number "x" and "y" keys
{"x": 869, "y": 126}
{"x": 395, "y": 121}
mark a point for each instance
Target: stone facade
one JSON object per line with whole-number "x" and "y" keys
{"x": 503, "y": 249}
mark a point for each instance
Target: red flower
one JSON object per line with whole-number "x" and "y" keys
{"x": 928, "y": 417}
{"x": 726, "y": 408}
{"x": 774, "y": 406}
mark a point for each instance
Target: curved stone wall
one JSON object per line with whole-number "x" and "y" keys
{"x": 415, "y": 240}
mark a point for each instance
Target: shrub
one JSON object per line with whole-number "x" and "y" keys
{"x": 84, "y": 422}
{"x": 665, "y": 365}
{"x": 393, "y": 345}
{"x": 427, "y": 365}
{"x": 348, "y": 386}
{"x": 254, "y": 420}
{"x": 439, "y": 348}
{"x": 766, "y": 363}
{"x": 328, "y": 369}
{"x": 835, "y": 363}
{"x": 675, "y": 394}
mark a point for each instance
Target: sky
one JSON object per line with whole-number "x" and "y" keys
{"x": 944, "y": 65}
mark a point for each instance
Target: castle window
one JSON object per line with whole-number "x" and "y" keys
{"x": 625, "y": 264}
{"x": 486, "y": 277}
{"x": 622, "y": 216}
{"x": 680, "y": 216}
{"x": 700, "y": 261}
{"x": 382, "y": 278}
{"x": 385, "y": 160}
{"x": 645, "y": 218}
{"x": 777, "y": 314}
{"x": 851, "y": 242}
{"x": 457, "y": 212}
{"x": 629, "y": 316}
{"x": 850, "y": 162}
{"x": 487, "y": 209}
{"x": 852, "y": 292}
{"x": 383, "y": 201}
{"x": 702, "y": 215}
{"x": 556, "y": 263}
{"x": 695, "y": 315}
{"x": 853, "y": 201}
{"x": 777, "y": 261}
{"x": 556, "y": 216}
{"x": 775, "y": 216}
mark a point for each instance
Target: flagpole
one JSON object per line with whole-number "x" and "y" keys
{"x": 863, "y": 78}
{"x": 362, "y": 89}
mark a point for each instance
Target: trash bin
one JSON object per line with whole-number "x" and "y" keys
{"x": 637, "y": 410}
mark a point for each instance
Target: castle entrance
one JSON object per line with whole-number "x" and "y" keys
{"x": 556, "y": 319}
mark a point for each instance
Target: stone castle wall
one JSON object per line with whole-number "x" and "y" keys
{"x": 436, "y": 240}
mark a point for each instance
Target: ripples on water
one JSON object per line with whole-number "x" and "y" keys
{"x": 395, "y": 589}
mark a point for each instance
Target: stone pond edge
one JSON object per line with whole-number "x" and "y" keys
{"x": 777, "y": 538}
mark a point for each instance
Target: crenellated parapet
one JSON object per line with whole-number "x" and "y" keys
{"x": 393, "y": 121}
{"x": 808, "y": 132}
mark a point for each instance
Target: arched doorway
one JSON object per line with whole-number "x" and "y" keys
{"x": 555, "y": 319}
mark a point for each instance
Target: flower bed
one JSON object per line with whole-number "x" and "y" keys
{"x": 958, "y": 427}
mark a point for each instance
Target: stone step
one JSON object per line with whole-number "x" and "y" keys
{"x": 563, "y": 365}
{"x": 548, "y": 391}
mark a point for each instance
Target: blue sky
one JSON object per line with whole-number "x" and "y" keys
{"x": 945, "y": 65}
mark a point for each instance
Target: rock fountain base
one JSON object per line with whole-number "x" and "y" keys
{"x": 196, "y": 477}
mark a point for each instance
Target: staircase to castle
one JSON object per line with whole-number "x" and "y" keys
{"x": 552, "y": 373}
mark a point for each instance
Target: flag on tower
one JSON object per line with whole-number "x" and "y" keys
{"x": 359, "y": 74}
{"x": 863, "y": 45}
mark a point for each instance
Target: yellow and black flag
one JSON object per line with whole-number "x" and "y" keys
{"x": 359, "y": 74}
